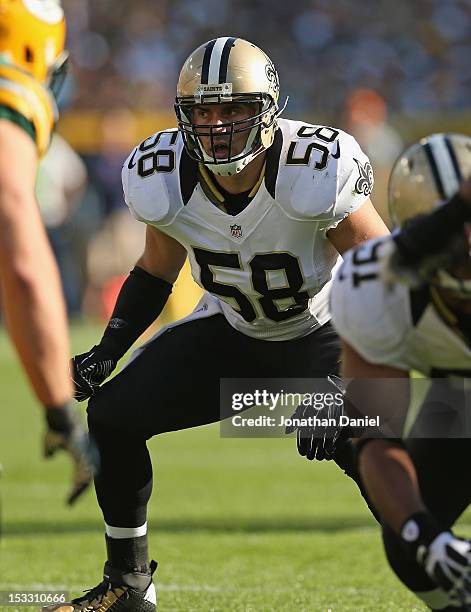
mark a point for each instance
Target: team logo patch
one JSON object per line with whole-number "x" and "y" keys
{"x": 365, "y": 181}
{"x": 222, "y": 89}
{"x": 117, "y": 323}
{"x": 236, "y": 231}
{"x": 272, "y": 76}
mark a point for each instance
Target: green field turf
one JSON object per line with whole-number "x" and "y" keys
{"x": 236, "y": 525}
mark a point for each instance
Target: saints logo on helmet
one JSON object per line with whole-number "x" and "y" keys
{"x": 425, "y": 176}
{"x": 228, "y": 70}
{"x": 32, "y": 36}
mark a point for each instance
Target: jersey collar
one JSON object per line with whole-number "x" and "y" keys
{"x": 213, "y": 193}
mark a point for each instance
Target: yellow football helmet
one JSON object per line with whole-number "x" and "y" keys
{"x": 228, "y": 69}
{"x": 32, "y": 34}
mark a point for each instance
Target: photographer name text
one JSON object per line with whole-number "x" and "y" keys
{"x": 311, "y": 421}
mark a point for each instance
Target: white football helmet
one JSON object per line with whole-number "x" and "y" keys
{"x": 425, "y": 176}
{"x": 228, "y": 69}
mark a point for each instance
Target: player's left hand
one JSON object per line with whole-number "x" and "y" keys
{"x": 319, "y": 441}
{"x": 75, "y": 441}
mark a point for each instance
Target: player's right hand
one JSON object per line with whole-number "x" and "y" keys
{"x": 89, "y": 370}
{"x": 447, "y": 560}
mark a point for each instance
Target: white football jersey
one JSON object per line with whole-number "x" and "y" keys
{"x": 396, "y": 326}
{"x": 270, "y": 266}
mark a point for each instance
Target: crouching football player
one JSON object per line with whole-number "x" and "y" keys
{"x": 403, "y": 303}
{"x": 262, "y": 206}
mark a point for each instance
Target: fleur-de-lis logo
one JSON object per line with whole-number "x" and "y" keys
{"x": 272, "y": 76}
{"x": 365, "y": 181}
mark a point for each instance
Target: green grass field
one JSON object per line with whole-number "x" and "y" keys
{"x": 236, "y": 525}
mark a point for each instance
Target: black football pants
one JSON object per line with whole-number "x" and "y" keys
{"x": 173, "y": 384}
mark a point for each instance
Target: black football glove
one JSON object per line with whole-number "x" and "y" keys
{"x": 320, "y": 441}
{"x": 90, "y": 369}
{"x": 426, "y": 243}
{"x": 410, "y": 268}
{"x": 66, "y": 432}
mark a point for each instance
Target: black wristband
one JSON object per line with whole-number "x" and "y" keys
{"x": 430, "y": 234}
{"x": 417, "y": 532}
{"x": 61, "y": 418}
{"x": 140, "y": 301}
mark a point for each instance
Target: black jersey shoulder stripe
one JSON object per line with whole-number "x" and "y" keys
{"x": 434, "y": 168}
{"x": 188, "y": 176}
{"x": 225, "y": 59}
{"x": 206, "y": 61}
{"x": 273, "y": 163}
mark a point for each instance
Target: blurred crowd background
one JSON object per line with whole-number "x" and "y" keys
{"x": 388, "y": 72}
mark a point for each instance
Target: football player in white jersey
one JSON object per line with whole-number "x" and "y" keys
{"x": 262, "y": 206}
{"x": 422, "y": 323}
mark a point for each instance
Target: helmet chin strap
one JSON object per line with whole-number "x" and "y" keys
{"x": 231, "y": 168}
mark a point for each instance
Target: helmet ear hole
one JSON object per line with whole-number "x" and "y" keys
{"x": 29, "y": 55}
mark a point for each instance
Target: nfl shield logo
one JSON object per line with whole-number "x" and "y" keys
{"x": 236, "y": 231}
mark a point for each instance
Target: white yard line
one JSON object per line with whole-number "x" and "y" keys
{"x": 40, "y": 586}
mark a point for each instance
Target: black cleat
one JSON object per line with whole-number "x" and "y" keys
{"x": 119, "y": 592}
